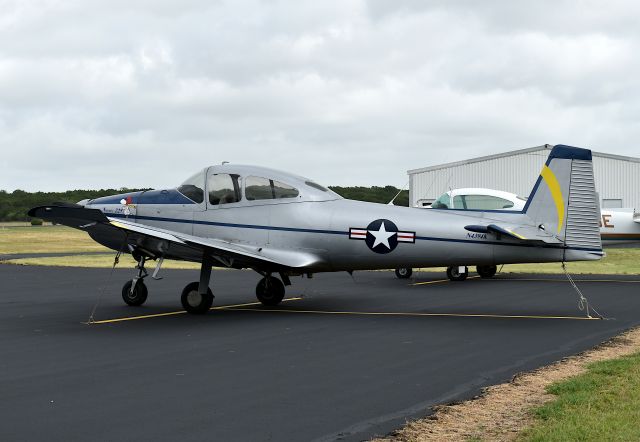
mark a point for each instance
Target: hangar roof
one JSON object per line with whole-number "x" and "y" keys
{"x": 512, "y": 153}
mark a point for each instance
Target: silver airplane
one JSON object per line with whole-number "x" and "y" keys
{"x": 281, "y": 224}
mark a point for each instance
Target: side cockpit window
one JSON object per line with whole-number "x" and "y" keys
{"x": 281, "y": 190}
{"x": 223, "y": 189}
{"x": 193, "y": 188}
{"x": 486, "y": 202}
{"x": 258, "y": 188}
{"x": 459, "y": 202}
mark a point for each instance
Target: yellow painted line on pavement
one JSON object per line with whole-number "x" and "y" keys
{"x": 437, "y": 281}
{"x": 180, "y": 312}
{"x": 454, "y": 315}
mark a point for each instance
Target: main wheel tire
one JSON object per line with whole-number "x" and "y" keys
{"x": 404, "y": 272}
{"x": 270, "y": 291}
{"x": 193, "y": 301}
{"x": 487, "y": 271}
{"x": 138, "y": 296}
{"x": 453, "y": 273}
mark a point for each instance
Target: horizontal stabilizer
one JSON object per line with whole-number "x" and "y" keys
{"x": 73, "y": 216}
{"x": 520, "y": 233}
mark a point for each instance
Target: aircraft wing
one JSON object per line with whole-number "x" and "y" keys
{"x": 528, "y": 234}
{"x": 120, "y": 233}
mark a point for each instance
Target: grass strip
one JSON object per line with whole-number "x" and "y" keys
{"x": 46, "y": 239}
{"x": 600, "y": 405}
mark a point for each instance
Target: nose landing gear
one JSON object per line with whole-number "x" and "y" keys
{"x": 134, "y": 292}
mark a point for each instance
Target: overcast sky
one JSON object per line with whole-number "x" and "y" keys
{"x": 132, "y": 93}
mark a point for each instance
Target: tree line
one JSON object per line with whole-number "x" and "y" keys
{"x": 15, "y": 205}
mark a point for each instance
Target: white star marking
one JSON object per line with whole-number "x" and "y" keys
{"x": 381, "y": 236}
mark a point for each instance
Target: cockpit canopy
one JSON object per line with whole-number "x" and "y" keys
{"x": 227, "y": 184}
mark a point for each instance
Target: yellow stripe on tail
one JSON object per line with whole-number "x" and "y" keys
{"x": 556, "y": 192}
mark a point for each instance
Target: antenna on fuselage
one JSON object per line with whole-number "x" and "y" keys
{"x": 390, "y": 203}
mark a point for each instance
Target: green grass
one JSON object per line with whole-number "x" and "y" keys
{"x": 617, "y": 261}
{"x": 46, "y": 239}
{"x": 602, "y": 404}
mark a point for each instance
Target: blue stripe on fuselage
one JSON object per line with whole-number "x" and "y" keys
{"x": 334, "y": 232}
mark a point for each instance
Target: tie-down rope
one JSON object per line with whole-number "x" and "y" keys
{"x": 583, "y": 302}
{"x": 116, "y": 260}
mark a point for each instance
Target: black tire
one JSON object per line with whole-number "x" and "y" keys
{"x": 487, "y": 271}
{"x": 270, "y": 291}
{"x": 139, "y": 295}
{"x": 454, "y": 275}
{"x": 195, "y": 303}
{"x": 404, "y": 272}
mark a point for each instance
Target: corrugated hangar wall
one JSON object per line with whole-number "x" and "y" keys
{"x": 617, "y": 177}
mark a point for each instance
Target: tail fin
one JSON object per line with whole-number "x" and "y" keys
{"x": 564, "y": 198}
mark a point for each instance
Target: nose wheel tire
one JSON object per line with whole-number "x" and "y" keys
{"x": 193, "y": 301}
{"x": 136, "y": 297}
{"x": 454, "y": 274}
{"x": 487, "y": 271}
{"x": 404, "y": 272}
{"x": 270, "y": 291}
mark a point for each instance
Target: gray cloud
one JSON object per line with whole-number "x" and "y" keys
{"x": 108, "y": 94}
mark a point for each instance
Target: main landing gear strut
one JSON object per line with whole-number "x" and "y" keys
{"x": 197, "y": 297}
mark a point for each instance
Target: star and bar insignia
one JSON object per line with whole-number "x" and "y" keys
{"x": 382, "y": 235}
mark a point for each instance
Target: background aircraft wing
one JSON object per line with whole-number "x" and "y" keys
{"x": 119, "y": 234}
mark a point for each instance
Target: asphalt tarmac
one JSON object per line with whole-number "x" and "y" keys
{"x": 351, "y": 359}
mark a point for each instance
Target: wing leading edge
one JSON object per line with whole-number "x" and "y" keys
{"x": 119, "y": 234}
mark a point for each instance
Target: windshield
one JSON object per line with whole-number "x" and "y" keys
{"x": 442, "y": 202}
{"x": 193, "y": 188}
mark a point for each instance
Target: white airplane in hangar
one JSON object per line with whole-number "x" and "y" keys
{"x": 617, "y": 226}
